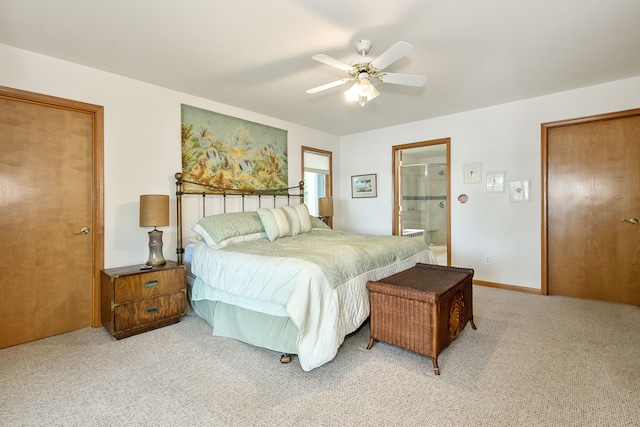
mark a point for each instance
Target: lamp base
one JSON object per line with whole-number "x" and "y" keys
{"x": 155, "y": 248}
{"x": 326, "y": 220}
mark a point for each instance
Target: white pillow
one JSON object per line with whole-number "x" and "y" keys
{"x": 275, "y": 223}
{"x": 298, "y": 217}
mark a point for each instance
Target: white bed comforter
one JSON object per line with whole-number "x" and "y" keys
{"x": 323, "y": 292}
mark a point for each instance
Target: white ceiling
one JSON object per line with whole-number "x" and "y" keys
{"x": 256, "y": 54}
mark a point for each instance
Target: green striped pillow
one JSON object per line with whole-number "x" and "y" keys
{"x": 275, "y": 223}
{"x": 298, "y": 216}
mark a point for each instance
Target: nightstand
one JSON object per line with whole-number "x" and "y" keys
{"x": 135, "y": 300}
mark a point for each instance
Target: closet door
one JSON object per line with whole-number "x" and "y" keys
{"x": 592, "y": 208}
{"x": 46, "y": 223}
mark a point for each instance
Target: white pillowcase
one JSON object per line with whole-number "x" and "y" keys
{"x": 275, "y": 223}
{"x": 298, "y": 216}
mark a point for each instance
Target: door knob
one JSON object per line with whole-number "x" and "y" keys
{"x": 632, "y": 221}
{"x": 85, "y": 230}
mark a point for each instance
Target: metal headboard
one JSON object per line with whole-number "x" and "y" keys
{"x": 207, "y": 190}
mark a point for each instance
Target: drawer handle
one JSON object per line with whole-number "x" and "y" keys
{"x": 151, "y": 284}
{"x": 152, "y": 309}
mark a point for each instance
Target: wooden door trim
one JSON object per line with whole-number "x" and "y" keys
{"x": 97, "y": 186}
{"x": 328, "y": 179}
{"x": 395, "y": 158}
{"x": 319, "y": 151}
{"x": 544, "y": 130}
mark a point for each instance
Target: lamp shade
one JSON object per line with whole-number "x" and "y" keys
{"x": 362, "y": 90}
{"x": 325, "y": 206}
{"x": 154, "y": 210}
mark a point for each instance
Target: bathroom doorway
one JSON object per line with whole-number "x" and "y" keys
{"x": 421, "y": 172}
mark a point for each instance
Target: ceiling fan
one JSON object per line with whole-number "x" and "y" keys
{"x": 364, "y": 69}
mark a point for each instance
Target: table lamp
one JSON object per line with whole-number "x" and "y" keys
{"x": 154, "y": 212}
{"x": 325, "y": 208}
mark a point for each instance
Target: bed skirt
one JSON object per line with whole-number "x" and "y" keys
{"x": 252, "y": 327}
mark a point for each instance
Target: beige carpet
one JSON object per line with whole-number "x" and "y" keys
{"x": 533, "y": 361}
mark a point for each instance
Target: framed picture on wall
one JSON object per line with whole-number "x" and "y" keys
{"x": 364, "y": 186}
{"x": 519, "y": 190}
{"x": 495, "y": 182}
{"x": 472, "y": 173}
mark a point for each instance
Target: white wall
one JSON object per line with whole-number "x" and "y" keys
{"x": 142, "y": 140}
{"x": 503, "y": 138}
{"x": 142, "y": 152}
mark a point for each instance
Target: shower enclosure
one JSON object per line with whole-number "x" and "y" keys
{"x": 424, "y": 203}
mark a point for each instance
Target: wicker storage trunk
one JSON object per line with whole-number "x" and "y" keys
{"x": 421, "y": 309}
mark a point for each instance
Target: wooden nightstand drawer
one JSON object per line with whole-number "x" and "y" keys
{"x": 135, "y": 300}
{"x": 141, "y": 313}
{"x": 138, "y": 286}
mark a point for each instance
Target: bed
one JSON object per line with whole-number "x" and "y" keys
{"x": 278, "y": 278}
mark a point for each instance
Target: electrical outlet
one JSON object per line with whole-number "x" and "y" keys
{"x": 487, "y": 259}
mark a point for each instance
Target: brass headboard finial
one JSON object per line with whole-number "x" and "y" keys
{"x": 179, "y": 248}
{"x": 301, "y": 187}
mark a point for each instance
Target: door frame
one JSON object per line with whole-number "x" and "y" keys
{"x": 545, "y": 128}
{"x": 328, "y": 182}
{"x": 97, "y": 186}
{"x": 396, "y": 152}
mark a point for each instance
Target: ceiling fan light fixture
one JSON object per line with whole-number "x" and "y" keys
{"x": 362, "y": 91}
{"x": 361, "y": 71}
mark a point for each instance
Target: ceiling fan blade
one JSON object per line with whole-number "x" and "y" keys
{"x": 326, "y": 59}
{"x": 391, "y": 55}
{"x": 328, "y": 85}
{"x": 403, "y": 79}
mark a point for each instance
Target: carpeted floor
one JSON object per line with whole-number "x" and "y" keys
{"x": 534, "y": 361}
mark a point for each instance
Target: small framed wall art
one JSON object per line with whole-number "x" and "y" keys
{"x": 472, "y": 173}
{"x": 364, "y": 186}
{"x": 496, "y": 182}
{"x": 519, "y": 190}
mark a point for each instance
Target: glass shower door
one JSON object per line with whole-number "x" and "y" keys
{"x": 424, "y": 203}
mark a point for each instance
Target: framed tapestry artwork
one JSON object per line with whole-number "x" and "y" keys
{"x": 230, "y": 153}
{"x": 364, "y": 186}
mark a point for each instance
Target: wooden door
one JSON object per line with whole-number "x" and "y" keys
{"x": 438, "y": 148}
{"x": 47, "y": 187}
{"x": 593, "y": 177}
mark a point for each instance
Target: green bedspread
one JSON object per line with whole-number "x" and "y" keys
{"x": 340, "y": 255}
